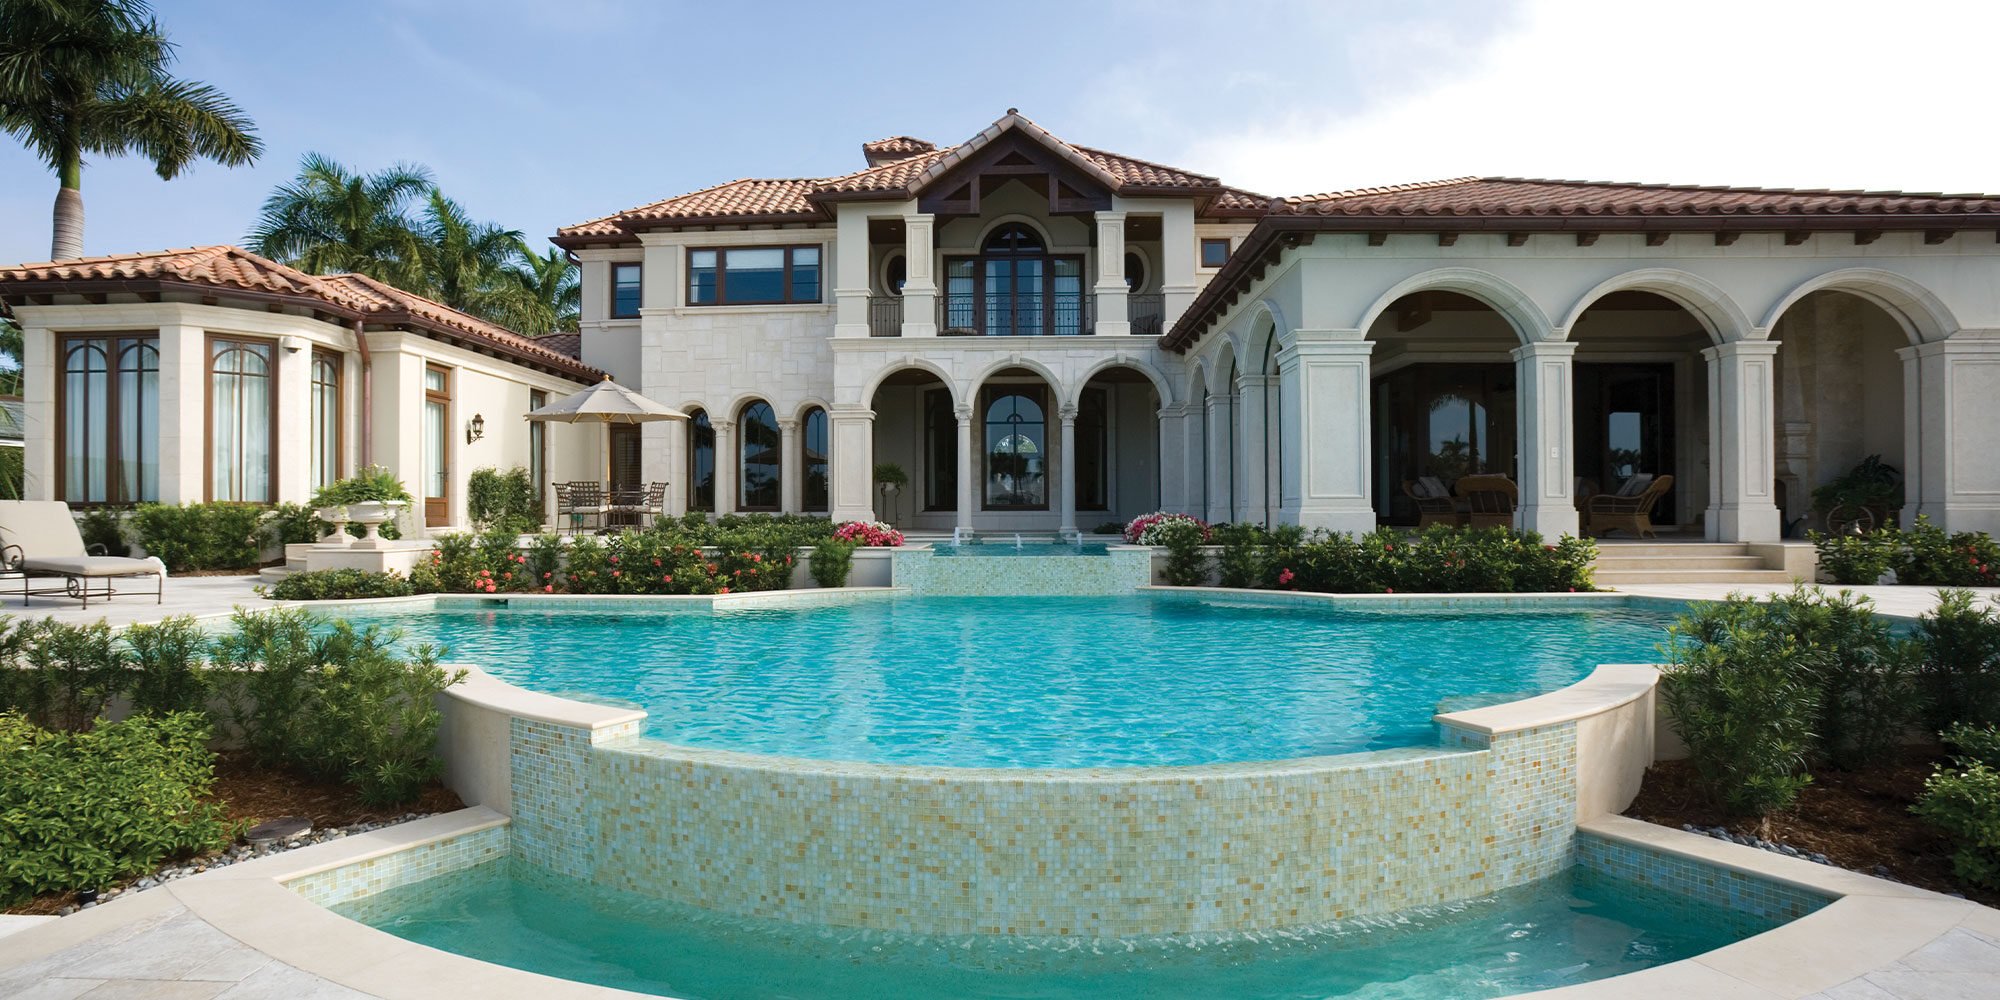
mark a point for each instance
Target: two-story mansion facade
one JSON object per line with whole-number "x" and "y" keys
{"x": 1048, "y": 337}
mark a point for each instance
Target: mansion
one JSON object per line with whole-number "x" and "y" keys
{"x": 1046, "y": 337}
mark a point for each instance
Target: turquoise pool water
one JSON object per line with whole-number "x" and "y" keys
{"x": 1043, "y": 682}
{"x": 1005, "y": 548}
{"x": 1570, "y": 929}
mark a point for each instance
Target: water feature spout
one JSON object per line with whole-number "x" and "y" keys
{"x": 1017, "y": 541}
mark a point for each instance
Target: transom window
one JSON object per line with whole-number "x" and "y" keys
{"x": 1016, "y": 449}
{"x": 753, "y": 276}
{"x": 627, "y": 282}
{"x": 1015, "y": 288}
{"x": 108, "y": 403}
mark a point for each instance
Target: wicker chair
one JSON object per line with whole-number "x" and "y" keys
{"x": 1633, "y": 512}
{"x": 1489, "y": 500}
{"x": 1434, "y": 504}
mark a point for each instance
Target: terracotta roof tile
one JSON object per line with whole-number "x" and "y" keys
{"x": 351, "y": 295}
{"x": 1144, "y": 173}
{"x": 1513, "y": 196}
{"x": 568, "y": 344}
{"x": 897, "y": 145}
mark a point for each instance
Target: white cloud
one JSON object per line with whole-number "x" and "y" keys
{"x": 1831, "y": 94}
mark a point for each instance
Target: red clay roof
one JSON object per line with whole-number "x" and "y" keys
{"x": 1517, "y": 196}
{"x": 568, "y": 344}
{"x": 915, "y": 163}
{"x": 349, "y": 295}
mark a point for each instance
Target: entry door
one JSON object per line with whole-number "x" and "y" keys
{"x": 437, "y": 445}
{"x": 1627, "y": 428}
{"x": 625, "y": 477}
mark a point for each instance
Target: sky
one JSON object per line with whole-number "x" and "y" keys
{"x": 541, "y": 113}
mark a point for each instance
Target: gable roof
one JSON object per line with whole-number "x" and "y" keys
{"x": 239, "y": 272}
{"x": 1520, "y": 206}
{"x": 900, "y": 167}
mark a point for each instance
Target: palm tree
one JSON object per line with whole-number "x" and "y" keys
{"x": 12, "y": 358}
{"x": 90, "y": 76}
{"x": 545, "y": 295}
{"x": 329, "y": 219}
{"x": 464, "y": 262}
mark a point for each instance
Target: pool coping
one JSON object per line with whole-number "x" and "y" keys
{"x": 1870, "y": 924}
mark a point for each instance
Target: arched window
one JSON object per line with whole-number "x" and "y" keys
{"x": 326, "y": 418}
{"x": 1016, "y": 449}
{"x": 701, "y": 462}
{"x": 758, "y": 487}
{"x": 1014, "y": 238}
{"x": 813, "y": 498}
{"x": 242, "y": 410}
{"x": 1015, "y": 288}
{"x": 109, "y": 405}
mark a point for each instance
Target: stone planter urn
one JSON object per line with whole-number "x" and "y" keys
{"x": 337, "y": 517}
{"x": 370, "y": 516}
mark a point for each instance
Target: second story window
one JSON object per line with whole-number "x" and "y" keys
{"x": 753, "y": 276}
{"x": 625, "y": 283}
{"x": 1214, "y": 252}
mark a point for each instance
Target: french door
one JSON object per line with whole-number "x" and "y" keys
{"x": 437, "y": 445}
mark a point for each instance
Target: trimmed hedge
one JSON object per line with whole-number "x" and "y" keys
{"x": 201, "y": 536}
{"x": 338, "y": 585}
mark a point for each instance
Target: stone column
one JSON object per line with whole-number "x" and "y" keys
{"x": 1194, "y": 463}
{"x": 966, "y": 493}
{"x": 1221, "y": 461}
{"x": 184, "y": 415}
{"x": 41, "y": 369}
{"x": 1742, "y": 433}
{"x": 1958, "y": 410}
{"x": 1110, "y": 291}
{"x": 852, "y": 429}
{"x": 679, "y": 445}
{"x": 790, "y": 468}
{"x": 919, "y": 276}
{"x": 726, "y": 467}
{"x": 1173, "y": 455}
{"x": 1325, "y": 425}
{"x": 1545, "y": 413}
{"x": 1914, "y": 487}
{"x": 1066, "y": 488}
{"x": 850, "y": 271}
{"x": 1177, "y": 262}
{"x": 1253, "y": 458}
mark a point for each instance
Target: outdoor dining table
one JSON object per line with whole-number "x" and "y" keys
{"x": 579, "y": 502}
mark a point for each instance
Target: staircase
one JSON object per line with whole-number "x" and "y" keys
{"x": 1621, "y": 563}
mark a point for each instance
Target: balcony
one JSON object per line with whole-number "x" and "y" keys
{"x": 885, "y": 316}
{"x": 1147, "y": 313}
{"x": 1025, "y": 315}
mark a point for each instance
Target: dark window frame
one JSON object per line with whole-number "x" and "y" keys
{"x": 538, "y": 450}
{"x": 697, "y": 423}
{"x": 1093, "y": 437}
{"x": 1035, "y": 393}
{"x": 743, "y": 445}
{"x": 273, "y": 439}
{"x": 787, "y": 298}
{"x": 813, "y": 501}
{"x": 940, "y": 451}
{"x": 612, "y": 309}
{"x": 118, "y": 341}
{"x": 1215, "y": 241}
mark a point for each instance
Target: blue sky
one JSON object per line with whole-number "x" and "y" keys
{"x": 538, "y": 114}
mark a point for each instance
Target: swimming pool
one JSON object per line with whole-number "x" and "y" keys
{"x": 1578, "y": 926}
{"x": 1026, "y": 682}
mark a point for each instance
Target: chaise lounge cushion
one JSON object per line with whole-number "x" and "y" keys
{"x": 50, "y": 543}
{"x": 95, "y": 566}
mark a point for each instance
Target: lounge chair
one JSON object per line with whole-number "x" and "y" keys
{"x": 1629, "y": 509}
{"x": 1433, "y": 500}
{"x": 1489, "y": 500}
{"x": 40, "y": 538}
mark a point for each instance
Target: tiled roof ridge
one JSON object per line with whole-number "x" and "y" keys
{"x": 1739, "y": 189}
{"x": 613, "y": 217}
{"x": 405, "y": 299}
{"x": 1363, "y": 192}
{"x": 1155, "y": 164}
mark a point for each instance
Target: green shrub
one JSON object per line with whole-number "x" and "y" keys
{"x": 1739, "y": 698}
{"x": 503, "y": 501}
{"x": 372, "y": 484}
{"x": 293, "y": 524}
{"x": 168, "y": 666}
{"x": 68, "y": 674}
{"x": 1865, "y": 687}
{"x": 85, "y": 809}
{"x": 332, "y": 701}
{"x": 1873, "y": 484}
{"x": 1857, "y": 559}
{"x": 200, "y": 536}
{"x": 1957, "y": 653}
{"x": 544, "y": 563}
{"x": 13, "y": 473}
{"x": 1963, "y": 800}
{"x": 1245, "y": 552}
{"x": 1438, "y": 559}
{"x": 1929, "y": 557}
{"x": 102, "y": 527}
{"x": 338, "y": 585}
{"x": 1187, "y": 566}
{"x": 832, "y": 562}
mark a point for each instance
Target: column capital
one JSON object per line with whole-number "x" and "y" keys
{"x": 1544, "y": 349}
{"x": 963, "y": 412}
{"x": 723, "y": 426}
{"x": 788, "y": 424}
{"x": 1742, "y": 349}
{"x": 851, "y": 413}
{"x": 1067, "y": 414}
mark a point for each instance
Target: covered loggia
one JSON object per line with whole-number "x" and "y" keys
{"x": 1840, "y": 403}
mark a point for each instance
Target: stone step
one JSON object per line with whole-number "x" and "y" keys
{"x": 1614, "y": 578}
{"x": 1620, "y": 562}
{"x": 1607, "y": 547}
{"x": 272, "y": 574}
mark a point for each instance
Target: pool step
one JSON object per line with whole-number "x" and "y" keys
{"x": 1729, "y": 563}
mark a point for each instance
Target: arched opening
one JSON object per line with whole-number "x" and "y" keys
{"x": 1640, "y": 391}
{"x": 1016, "y": 447}
{"x": 1442, "y": 399}
{"x": 760, "y": 461}
{"x": 1117, "y": 447}
{"x": 916, "y": 433}
{"x": 1839, "y": 404}
{"x": 1015, "y": 286}
{"x": 700, "y": 461}
{"x": 814, "y": 441}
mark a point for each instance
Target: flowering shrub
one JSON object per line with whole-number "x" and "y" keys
{"x": 1440, "y": 559}
{"x": 1921, "y": 555}
{"x": 673, "y": 557}
{"x": 868, "y": 533}
{"x": 1157, "y": 527}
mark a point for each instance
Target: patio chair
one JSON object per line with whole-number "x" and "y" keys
{"x": 1433, "y": 500}
{"x": 580, "y": 502}
{"x": 1630, "y": 509}
{"x": 638, "y": 504}
{"x": 1489, "y": 500}
{"x": 40, "y": 538}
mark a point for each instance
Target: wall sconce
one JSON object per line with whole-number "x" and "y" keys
{"x": 475, "y": 429}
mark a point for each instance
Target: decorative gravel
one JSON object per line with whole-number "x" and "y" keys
{"x": 1722, "y": 833}
{"x": 235, "y": 853}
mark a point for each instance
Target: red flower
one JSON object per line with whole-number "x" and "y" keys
{"x": 1388, "y": 546}
{"x": 788, "y": 560}
{"x": 1388, "y": 590}
{"x": 617, "y": 572}
{"x": 614, "y": 560}
{"x": 1285, "y": 576}
{"x": 724, "y": 590}
{"x": 549, "y": 588}
{"x": 546, "y": 575}
{"x": 508, "y": 575}
{"x": 656, "y": 562}
{"x": 669, "y": 578}
{"x": 754, "y": 557}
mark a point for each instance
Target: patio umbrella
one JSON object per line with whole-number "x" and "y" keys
{"x": 606, "y": 403}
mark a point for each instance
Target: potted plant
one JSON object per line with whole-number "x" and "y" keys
{"x": 368, "y": 498}
{"x": 1874, "y": 486}
{"x": 890, "y": 479}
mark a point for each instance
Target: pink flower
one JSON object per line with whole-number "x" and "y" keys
{"x": 614, "y": 560}
{"x": 724, "y": 590}
{"x": 617, "y": 572}
{"x": 1285, "y": 576}
{"x": 1388, "y": 590}
{"x": 668, "y": 578}
{"x": 547, "y": 575}
{"x": 756, "y": 558}
{"x": 549, "y": 588}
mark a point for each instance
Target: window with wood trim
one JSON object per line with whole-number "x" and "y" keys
{"x": 627, "y": 286}
{"x": 700, "y": 461}
{"x": 760, "y": 479}
{"x": 108, "y": 419}
{"x": 1015, "y": 288}
{"x": 734, "y": 276}
{"x": 1214, "y": 251}
{"x": 326, "y": 429}
{"x": 1016, "y": 449}
{"x": 538, "y": 448}
{"x": 813, "y": 457}
{"x": 242, "y": 410}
